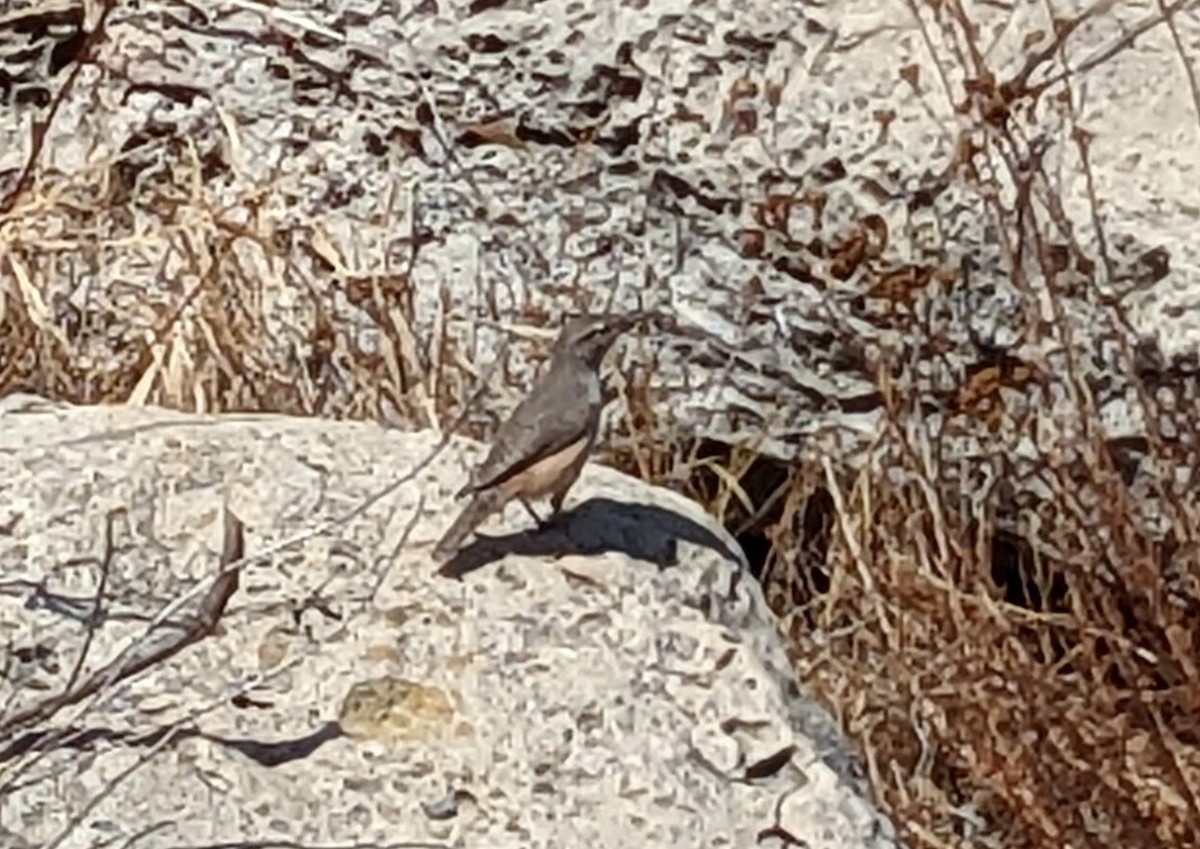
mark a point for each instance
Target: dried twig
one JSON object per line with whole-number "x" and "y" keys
{"x": 196, "y": 628}
{"x": 94, "y": 618}
{"x": 42, "y": 125}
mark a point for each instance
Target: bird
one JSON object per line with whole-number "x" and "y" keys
{"x": 541, "y": 448}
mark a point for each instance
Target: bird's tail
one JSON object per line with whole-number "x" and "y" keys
{"x": 481, "y": 505}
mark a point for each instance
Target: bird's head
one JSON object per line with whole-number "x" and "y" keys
{"x": 588, "y": 337}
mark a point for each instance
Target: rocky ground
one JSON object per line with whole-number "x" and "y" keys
{"x": 943, "y": 248}
{"x": 353, "y": 692}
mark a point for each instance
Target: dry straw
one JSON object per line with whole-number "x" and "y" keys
{"x": 1027, "y": 685}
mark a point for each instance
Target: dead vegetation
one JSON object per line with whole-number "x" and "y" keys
{"x": 1000, "y": 697}
{"x": 1008, "y": 682}
{"x": 1015, "y": 671}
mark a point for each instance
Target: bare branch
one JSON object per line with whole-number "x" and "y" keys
{"x": 212, "y": 606}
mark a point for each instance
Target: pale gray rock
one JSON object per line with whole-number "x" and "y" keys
{"x": 319, "y": 127}
{"x": 613, "y": 681}
{"x": 562, "y": 154}
{"x": 765, "y": 171}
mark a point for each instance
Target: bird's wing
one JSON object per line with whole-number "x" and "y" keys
{"x": 536, "y": 429}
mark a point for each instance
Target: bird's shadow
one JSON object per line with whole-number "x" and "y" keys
{"x": 596, "y": 526}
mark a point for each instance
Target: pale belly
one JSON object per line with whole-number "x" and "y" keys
{"x": 546, "y": 475}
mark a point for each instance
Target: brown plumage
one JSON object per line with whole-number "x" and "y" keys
{"x": 541, "y": 448}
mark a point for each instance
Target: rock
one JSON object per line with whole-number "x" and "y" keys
{"x": 810, "y": 190}
{"x": 820, "y": 195}
{"x": 613, "y": 681}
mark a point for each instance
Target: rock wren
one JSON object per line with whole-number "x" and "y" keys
{"x": 541, "y": 448}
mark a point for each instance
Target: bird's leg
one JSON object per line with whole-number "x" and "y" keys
{"x": 564, "y": 486}
{"x": 541, "y": 523}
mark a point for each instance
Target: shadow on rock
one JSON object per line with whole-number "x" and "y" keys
{"x": 598, "y": 525}
{"x": 273, "y": 753}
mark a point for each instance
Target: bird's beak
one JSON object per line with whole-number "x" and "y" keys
{"x": 628, "y": 321}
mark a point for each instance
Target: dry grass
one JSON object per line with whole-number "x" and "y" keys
{"x": 1061, "y": 714}
{"x": 1015, "y": 670}
{"x": 1007, "y": 684}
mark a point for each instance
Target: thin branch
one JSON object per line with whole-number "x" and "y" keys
{"x": 212, "y": 606}
{"x": 41, "y": 126}
{"x": 94, "y": 618}
{"x": 82, "y": 813}
{"x": 1125, "y": 42}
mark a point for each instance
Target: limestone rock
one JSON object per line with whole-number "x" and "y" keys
{"x": 787, "y": 178}
{"x": 613, "y": 681}
{"x": 812, "y": 190}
